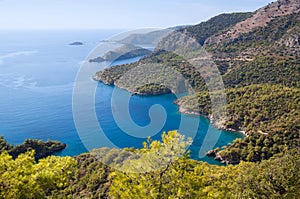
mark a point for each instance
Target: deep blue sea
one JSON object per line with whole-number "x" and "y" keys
{"x": 37, "y": 74}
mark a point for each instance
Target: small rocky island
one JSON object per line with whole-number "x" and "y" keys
{"x": 126, "y": 51}
{"x": 76, "y": 43}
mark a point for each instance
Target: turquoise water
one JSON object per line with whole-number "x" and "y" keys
{"x": 37, "y": 74}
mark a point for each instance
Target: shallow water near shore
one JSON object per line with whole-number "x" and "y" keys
{"x": 37, "y": 74}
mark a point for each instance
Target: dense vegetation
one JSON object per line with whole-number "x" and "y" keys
{"x": 176, "y": 177}
{"x": 252, "y": 108}
{"x": 24, "y": 178}
{"x": 265, "y": 70}
{"x": 275, "y": 178}
{"x": 90, "y": 179}
{"x": 268, "y": 113}
{"x": 161, "y": 72}
{"x": 43, "y": 149}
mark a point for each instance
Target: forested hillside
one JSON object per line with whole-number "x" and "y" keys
{"x": 269, "y": 114}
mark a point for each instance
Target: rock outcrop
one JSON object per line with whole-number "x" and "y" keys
{"x": 291, "y": 39}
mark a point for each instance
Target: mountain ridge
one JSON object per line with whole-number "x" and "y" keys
{"x": 259, "y": 19}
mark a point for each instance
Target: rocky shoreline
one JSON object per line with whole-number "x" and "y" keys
{"x": 215, "y": 152}
{"x": 219, "y": 125}
{"x": 217, "y": 156}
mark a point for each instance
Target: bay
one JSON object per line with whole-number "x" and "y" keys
{"x": 37, "y": 74}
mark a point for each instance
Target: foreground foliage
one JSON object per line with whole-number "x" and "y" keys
{"x": 274, "y": 178}
{"x": 87, "y": 177}
{"x": 24, "y": 178}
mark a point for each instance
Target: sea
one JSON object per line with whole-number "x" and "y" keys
{"x": 38, "y": 72}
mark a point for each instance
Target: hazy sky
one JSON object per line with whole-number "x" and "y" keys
{"x": 114, "y": 14}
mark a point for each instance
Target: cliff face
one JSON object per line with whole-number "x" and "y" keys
{"x": 260, "y": 18}
{"x": 291, "y": 39}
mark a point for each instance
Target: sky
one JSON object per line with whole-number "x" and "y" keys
{"x": 115, "y": 14}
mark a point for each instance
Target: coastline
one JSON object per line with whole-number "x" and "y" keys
{"x": 113, "y": 83}
{"x": 142, "y": 93}
{"x": 181, "y": 110}
{"x": 210, "y": 118}
{"x": 214, "y": 152}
